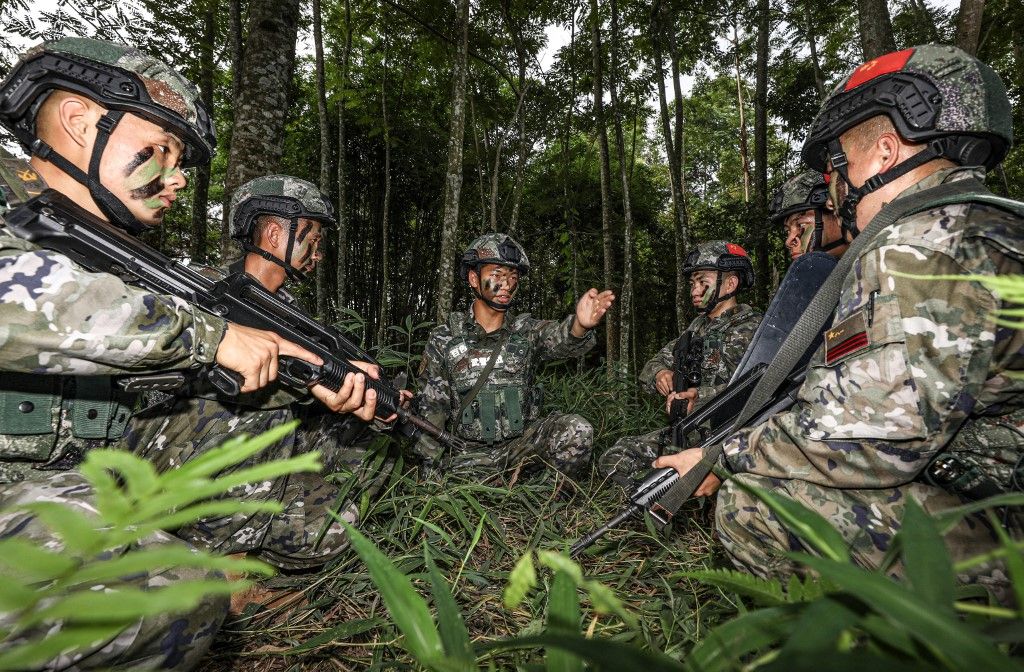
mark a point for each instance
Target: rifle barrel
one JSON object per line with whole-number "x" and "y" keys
{"x": 588, "y": 540}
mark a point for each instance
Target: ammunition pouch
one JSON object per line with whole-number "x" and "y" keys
{"x": 39, "y": 412}
{"x": 986, "y": 458}
{"x": 498, "y": 415}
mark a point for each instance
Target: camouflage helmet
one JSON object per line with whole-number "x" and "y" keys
{"x": 119, "y": 77}
{"x": 494, "y": 248}
{"x": 932, "y": 92}
{"x": 280, "y": 195}
{"x": 721, "y": 256}
{"x": 805, "y": 191}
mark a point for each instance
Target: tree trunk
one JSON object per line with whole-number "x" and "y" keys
{"x": 453, "y": 177}
{"x": 237, "y": 51}
{"x": 968, "y": 25}
{"x": 322, "y": 306}
{"x": 480, "y": 160}
{"x": 819, "y": 77}
{"x": 744, "y": 153}
{"x": 682, "y": 237}
{"x": 611, "y": 317}
{"x": 342, "y": 262}
{"x": 678, "y": 210}
{"x": 567, "y": 209}
{"x": 626, "y": 295}
{"x": 385, "y": 225}
{"x": 875, "y": 28}
{"x": 761, "y": 245}
{"x": 262, "y": 103}
{"x": 201, "y": 196}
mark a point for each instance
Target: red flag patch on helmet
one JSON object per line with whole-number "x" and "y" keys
{"x": 733, "y": 248}
{"x": 883, "y": 65}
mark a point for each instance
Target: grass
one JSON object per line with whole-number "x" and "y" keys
{"x": 475, "y": 532}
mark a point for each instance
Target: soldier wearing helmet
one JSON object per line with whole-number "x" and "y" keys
{"x": 477, "y": 375}
{"x": 913, "y": 369}
{"x": 705, "y": 354}
{"x": 277, "y": 219}
{"x": 801, "y": 207}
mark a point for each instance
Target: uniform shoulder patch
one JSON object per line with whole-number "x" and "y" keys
{"x": 845, "y": 338}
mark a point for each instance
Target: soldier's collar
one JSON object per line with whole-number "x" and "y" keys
{"x": 473, "y": 327}
{"x": 944, "y": 175}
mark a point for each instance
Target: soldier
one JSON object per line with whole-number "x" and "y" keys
{"x": 913, "y": 367}
{"x": 705, "y": 355}
{"x": 802, "y": 207}
{"x": 278, "y": 221}
{"x": 111, "y": 128}
{"x": 477, "y": 375}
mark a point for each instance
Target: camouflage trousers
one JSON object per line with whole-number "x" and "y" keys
{"x": 562, "y": 440}
{"x": 304, "y": 535}
{"x": 164, "y": 642}
{"x": 630, "y": 457}
{"x": 868, "y": 519}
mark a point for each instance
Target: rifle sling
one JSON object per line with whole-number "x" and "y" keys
{"x": 813, "y": 320}
{"x": 482, "y": 379}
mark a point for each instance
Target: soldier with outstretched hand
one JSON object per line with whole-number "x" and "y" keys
{"x": 704, "y": 356}
{"x": 477, "y": 375}
{"x": 911, "y": 393}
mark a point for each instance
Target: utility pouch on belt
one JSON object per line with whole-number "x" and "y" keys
{"x": 482, "y": 420}
{"x": 31, "y": 409}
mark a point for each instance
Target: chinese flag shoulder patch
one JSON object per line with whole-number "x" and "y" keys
{"x": 847, "y": 337}
{"x": 883, "y": 65}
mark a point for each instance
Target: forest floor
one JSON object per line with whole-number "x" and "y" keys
{"x": 475, "y": 532}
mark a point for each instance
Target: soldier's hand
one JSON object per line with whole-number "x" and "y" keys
{"x": 590, "y": 309}
{"x": 354, "y": 396}
{"x": 405, "y": 398}
{"x": 690, "y": 396}
{"x": 663, "y": 382}
{"x": 683, "y": 462}
{"x": 254, "y": 352}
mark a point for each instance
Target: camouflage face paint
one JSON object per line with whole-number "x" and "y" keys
{"x": 307, "y": 245}
{"x": 145, "y": 177}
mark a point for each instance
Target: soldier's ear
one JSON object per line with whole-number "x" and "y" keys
{"x": 76, "y": 120}
{"x": 474, "y": 278}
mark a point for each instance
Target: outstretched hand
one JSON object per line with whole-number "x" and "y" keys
{"x": 591, "y": 308}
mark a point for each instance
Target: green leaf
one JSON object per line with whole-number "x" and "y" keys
{"x": 37, "y": 651}
{"x": 138, "y": 475}
{"x": 606, "y": 602}
{"x": 559, "y": 562}
{"x": 948, "y": 519}
{"x": 521, "y": 580}
{"x": 956, "y": 646}
{"x": 762, "y": 591}
{"x": 809, "y": 525}
{"x": 563, "y": 619}
{"x": 160, "y": 557}
{"x": 451, "y": 626}
{"x": 232, "y": 452}
{"x": 14, "y": 596}
{"x": 928, "y": 568}
{"x": 338, "y": 633}
{"x": 727, "y": 645}
{"x": 26, "y": 562}
{"x": 75, "y": 529}
{"x": 817, "y": 631}
{"x": 408, "y": 609}
{"x": 602, "y": 653}
{"x": 1014, "y": 561}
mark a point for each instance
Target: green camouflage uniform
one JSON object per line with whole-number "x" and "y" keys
{"x": 934, "y": 363}
{"x": 725, "y": 339}
{"x": 64, "y": 333}
{"x": 501, "y": 427}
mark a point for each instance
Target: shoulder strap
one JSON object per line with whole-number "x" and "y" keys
{"x": 814, "y": 318}
{"x": 482, "y": 379}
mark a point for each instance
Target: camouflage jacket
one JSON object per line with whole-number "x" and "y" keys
{"x": 459, "y": 350}
{"x": 725, "y": 339}
{"x": 69, "y": 330}
{"x": 909, "y": 360}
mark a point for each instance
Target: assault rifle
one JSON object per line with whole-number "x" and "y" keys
{"x": 662, "y": 492}
{"x": 55, "y": 222}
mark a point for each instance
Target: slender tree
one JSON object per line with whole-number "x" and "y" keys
{"x": 744, "y": 151}
{"x": 342, "y": 246}
{"x": 322, "y": 292}
{"x": 383, "y": 318}
{"x": 968, "y": 25}
{"x": 761, "y": 244}
{"x": 453, "y": 176}
{"x": 626, "y": 295}
{"x": 201, "y": 194}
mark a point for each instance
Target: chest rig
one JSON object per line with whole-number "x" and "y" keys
{"x": 492, "y": 375}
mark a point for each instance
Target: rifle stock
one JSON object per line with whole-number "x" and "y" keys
{"x": 54, "y": 222}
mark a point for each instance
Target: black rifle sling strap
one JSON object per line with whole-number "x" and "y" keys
{"x": 482, "y": 379}
{"x": 815, "y": 317}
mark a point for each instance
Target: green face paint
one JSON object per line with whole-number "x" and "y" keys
{"x": 145, "y": 177}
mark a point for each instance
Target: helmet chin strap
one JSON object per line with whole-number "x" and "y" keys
{"x": 294, "y": 274}
{"x": 819, "y": 235}
{"x": 848, "y": 209}
{"x": 111, "y": 206}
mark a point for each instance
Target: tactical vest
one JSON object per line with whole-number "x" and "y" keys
{"x": 48, "y": 421}
{"x": 508, "y": 400}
